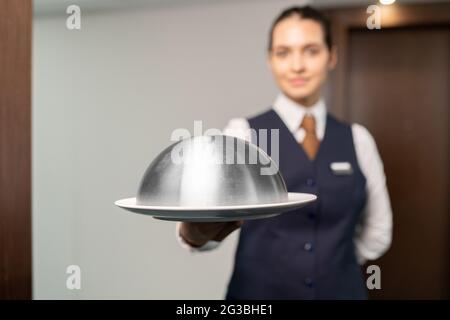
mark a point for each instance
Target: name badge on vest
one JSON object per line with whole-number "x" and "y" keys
{"x": 341, "y": 168}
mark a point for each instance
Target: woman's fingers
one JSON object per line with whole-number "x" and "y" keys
{"x": 198, "y": 233}
{"x": 228, "y": 228}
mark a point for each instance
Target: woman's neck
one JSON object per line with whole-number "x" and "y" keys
{"x": 309, "y": 101}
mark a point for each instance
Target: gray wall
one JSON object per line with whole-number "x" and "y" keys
{"x": 105, "y": 101}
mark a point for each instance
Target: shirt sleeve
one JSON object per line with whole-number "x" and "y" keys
{"x": 239, "y": 128}
{"x": 236, "y": 127}
{"x": 374, "y": 232}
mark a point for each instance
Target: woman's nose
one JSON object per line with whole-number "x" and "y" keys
{"x": 297, "y": 63}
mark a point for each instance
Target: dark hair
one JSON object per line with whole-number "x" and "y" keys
{"x": 305, "y": 12}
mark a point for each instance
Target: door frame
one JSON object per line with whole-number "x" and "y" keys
{"x": 15, "y": 149}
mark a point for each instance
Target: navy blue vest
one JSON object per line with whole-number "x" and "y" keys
{"x": 306, "y": 253}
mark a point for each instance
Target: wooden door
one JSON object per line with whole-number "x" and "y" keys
{"x": 398, "y": 87}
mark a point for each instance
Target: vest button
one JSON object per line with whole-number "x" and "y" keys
{"x": 311, "y": 215}
{"x": 308, "y": 246}
{"x": 309, "y": 282}
{"x": 310, "y": 182}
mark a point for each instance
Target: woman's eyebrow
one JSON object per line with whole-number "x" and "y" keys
{"x": 303, "y": 46}
{"x": 312, "y": 44}
{"x": 281, "y": 47}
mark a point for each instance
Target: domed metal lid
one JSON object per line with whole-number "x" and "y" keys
{"x": 209, "y": 171}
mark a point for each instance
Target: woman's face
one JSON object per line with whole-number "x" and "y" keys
{"x": 300, "y": 59}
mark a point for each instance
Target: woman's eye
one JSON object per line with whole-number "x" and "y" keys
{"x": 312, "y": 51}
{"x": 281, "y": 53}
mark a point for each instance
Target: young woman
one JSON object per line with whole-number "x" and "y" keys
{"x": 315, "y": 252}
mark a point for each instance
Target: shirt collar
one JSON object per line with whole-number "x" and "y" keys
{"x": 292, "y": 113}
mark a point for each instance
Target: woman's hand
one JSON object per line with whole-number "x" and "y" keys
{"x": 196, "y": 234}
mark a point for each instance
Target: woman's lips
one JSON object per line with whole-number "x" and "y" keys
{"x": 298, "y": 81}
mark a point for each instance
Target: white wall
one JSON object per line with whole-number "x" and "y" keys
{"x": 105, "y": 100}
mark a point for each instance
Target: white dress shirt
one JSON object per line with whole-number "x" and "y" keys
{"x": 373, "y": 234}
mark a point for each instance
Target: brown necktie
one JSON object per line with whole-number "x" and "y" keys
{"x": 310, "y": 142}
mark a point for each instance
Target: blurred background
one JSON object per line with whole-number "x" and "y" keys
{"x": 85, "y": 111}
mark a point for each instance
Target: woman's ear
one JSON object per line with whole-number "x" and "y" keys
{"x": 333, "y": 58}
